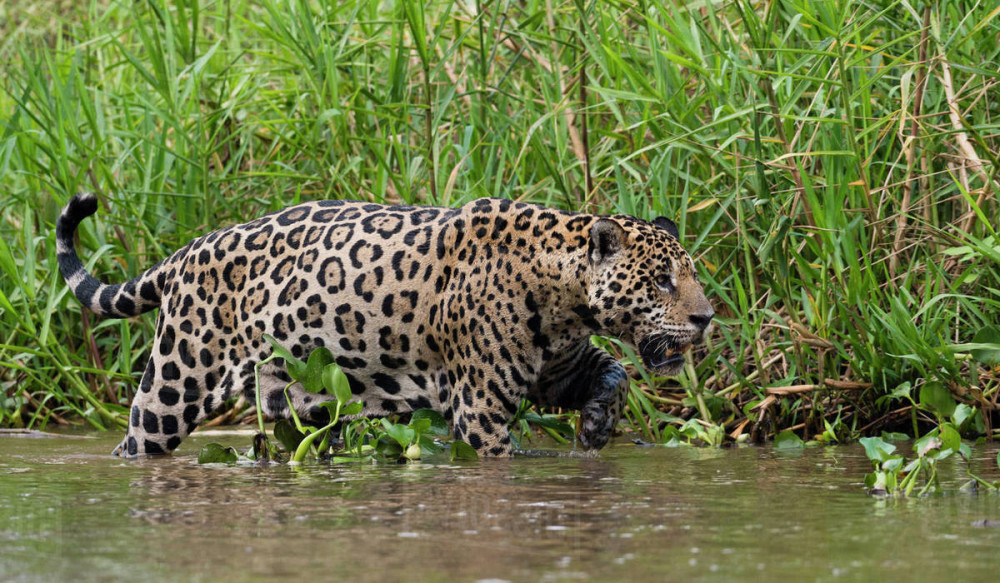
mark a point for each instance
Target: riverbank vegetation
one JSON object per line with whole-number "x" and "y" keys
{"x": 832, "y": 167}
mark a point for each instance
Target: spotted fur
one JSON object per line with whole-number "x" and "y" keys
{"x": 465, "y": 311}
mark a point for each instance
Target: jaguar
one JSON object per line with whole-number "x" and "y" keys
{"x": 463, "y": 310}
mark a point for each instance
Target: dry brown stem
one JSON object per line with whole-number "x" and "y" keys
{"x": 34, "y": 403}
{"x": 826, "y": 384}
{"x": 970, "y": 159}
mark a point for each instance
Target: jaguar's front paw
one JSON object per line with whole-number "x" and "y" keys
{"x": 596, "y": 425}
{"x": 600, "y": 414}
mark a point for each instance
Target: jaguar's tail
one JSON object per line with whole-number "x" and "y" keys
{"x": 123, "y": 300}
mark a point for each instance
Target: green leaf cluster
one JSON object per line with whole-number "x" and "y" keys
{"x": 893, "y": 475}
{"x": 361, "y": 438}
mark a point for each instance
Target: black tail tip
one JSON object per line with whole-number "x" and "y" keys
{"x": 81, "y": 206}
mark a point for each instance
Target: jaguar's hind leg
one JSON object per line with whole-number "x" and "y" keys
{"x": 174, "y": 396}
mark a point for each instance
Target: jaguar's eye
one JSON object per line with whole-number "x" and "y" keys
{"x": 664, "y": 282}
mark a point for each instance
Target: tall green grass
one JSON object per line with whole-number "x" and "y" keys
{"x": 832, "y": 167}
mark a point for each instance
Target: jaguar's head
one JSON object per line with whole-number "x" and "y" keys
{"x": 644, "y": 289}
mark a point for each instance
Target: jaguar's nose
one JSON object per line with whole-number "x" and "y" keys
{"x": 702, "y": 320}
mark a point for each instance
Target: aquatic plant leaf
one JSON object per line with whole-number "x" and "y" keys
{"x": 875, "y": 483}
{"x": 950, "y": 439}
{"x": 881, "y": 483}
{"x": 313, "y": 375}
{"x": 876, "y": 449}
{"x": 438, "y": 425}
{"x": 339, "y": 459}
{"x": 927, "y": 444}
{"x": 671, "y": 436}
{"x": 893, "y": 463}
{"x": 352, "y": 408}
{"x": 961, "y": 414}
{"x": 462, "y": 451}
{"x": 715, "y": 434}
{"x": 689, "y": 429}
{"x": 965, "y": 451}
{"x": 336, "y": 382}
{"x": 419, "y": 426}
{"x": 936, "y": 398}
{"x": 214, "y": 453}
{"x": 987, "y": 356}
{"x": 388, "y": 447}
{"x": 295, "y": 367}
{"x": 550, "y": 422}
{"x": 902, "y": 391}
{"x": 400, "y": 433}
{"x": 287, "y": 434}
{"x": 428, "y": 445}
{"x": 891, "y": 482}
{"x": 788, "y": 440}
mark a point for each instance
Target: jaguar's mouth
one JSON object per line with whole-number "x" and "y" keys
{"x": 663, "y": 353}
{"x": 668, "y": 358}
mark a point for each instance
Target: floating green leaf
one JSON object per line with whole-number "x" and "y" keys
{"x": 400, "y": 433}
{"x": 462, "y": 451}
{"x": 937, "y": 399}
{"x": 877, "y": 450}
{"x": 438, "y": 425}
{"x": 388, "y": 447}
{"x": 788, "y": 440}
{"x": 214, "y": 453}
{"x": 550, "y": 422}
{"x": 287, "y": 434}
{"x": 428, "y": 445}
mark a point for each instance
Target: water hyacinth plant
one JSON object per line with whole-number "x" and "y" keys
{"x": 362, "y": 439}
{"x": 893, "y": 475}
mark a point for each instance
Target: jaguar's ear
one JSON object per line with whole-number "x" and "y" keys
{"x": 607, "y": 238}
{"x": 668, "y": 226}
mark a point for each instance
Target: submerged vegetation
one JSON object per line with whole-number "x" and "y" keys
{"x": 832, "y": 167}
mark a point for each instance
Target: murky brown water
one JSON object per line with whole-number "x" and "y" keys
{"x": 69, "y": 512}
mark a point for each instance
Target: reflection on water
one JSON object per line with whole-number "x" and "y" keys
{"x": 70, "y": 512}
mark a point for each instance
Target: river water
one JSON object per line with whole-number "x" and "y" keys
{"x": 71, "y": 512}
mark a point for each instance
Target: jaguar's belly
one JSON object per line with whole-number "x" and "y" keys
{"x": 384, "y": 393}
